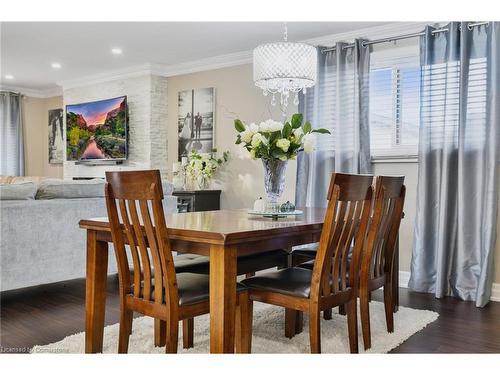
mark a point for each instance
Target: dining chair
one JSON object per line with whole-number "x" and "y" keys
{"x": 377, "y": 264}
{"x": 135, "y": 212}
{"x": 330, "y": 283}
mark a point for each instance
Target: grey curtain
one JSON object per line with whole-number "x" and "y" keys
{"x": 457, "y": 192}
{"x": 11, "y": 134}
{"x": 338, "y": 102}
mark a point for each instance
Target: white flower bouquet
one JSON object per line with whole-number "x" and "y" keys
{"x": 275, "y": 140}
{"x": 202, "y": 167}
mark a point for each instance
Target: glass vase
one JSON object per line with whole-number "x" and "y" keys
{"x": 274, "y": 181}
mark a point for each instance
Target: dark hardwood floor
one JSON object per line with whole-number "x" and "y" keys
{"x": 46, "y": 314}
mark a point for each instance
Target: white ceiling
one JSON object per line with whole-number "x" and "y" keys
{"x": 84, "y": 48}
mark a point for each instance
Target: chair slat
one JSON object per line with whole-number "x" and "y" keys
{"x": 146, "y": 264}
{"x": 133, "y": 248}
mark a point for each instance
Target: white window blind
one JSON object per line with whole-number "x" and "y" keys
{"x": 394, "y": 102}
{"x": 441, "y": 98}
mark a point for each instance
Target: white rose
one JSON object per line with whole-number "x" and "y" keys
{"x": 257, "y": 139}
{"x": 276, "y": 126}
{"x": 298, "y": 133}
{"x": 309, "y": 142}
{"x": 246, "y": 136}
{"x": 254, "y": 128}
{"x": 283, "y": 143}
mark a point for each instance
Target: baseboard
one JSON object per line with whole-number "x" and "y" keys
{"x": 404, "y": 278}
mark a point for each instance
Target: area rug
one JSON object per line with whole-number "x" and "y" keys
{"x": 268, "y": 333}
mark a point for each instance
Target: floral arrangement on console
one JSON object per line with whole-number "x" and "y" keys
{"x": 275, "y": 143}
{"x": 202, "y": 167}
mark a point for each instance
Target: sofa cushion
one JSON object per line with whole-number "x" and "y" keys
{"x": 61, "y": 189}
{"x": 19, "y": 191}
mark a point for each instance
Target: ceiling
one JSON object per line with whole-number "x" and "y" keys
{"x": 84, "y": 48}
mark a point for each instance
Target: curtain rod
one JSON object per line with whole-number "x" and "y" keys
{"x": 400, "y": 37}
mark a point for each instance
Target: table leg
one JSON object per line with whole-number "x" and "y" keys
{"x": 95, "y": 292}
{"x": 395, "y": 278}
{"x": 222, "y": 298}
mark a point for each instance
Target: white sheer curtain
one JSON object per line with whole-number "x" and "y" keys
{"x": 11, "y": 134}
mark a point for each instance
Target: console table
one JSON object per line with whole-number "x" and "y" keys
{"x": 197, "y": 200}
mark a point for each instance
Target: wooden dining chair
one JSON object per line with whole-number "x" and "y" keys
{"x": 377, "y": 264}
{"x": 330, "y": 283}
{"x": 136, "y": 217}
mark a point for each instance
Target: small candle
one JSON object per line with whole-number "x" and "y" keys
{"x": 184, "y": 160}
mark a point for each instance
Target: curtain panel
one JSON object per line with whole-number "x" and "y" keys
{"x": 457, "y": 194}
{"x": 339, "y": 102}
{"x": 11, "y": 134}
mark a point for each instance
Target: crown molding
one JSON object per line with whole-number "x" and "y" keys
{"x": 238, "y": 58}
{"x": 112, "y": 75}
{"x": 34, "y": 93}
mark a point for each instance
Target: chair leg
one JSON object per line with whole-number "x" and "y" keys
{"x": 172, "y": 336}
{"x": 244, "y": 317}
{"x": 291, "y": 317}
{"x": 160, "y": 331}
{"x": 327, "y": 314}
{"x": 342, "y": 310}
{"x": 299, "y": 322}
{"x": 364, "y": 307}
{"x": 389, "y": 307}
{"x": 315, "y": 330}
{"x": 125, "y": 330}
{"x": 187, "y": 333}
{"x": 352, "y": 325}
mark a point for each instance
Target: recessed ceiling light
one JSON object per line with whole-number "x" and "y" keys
{"x": 116, "y": 51}
{"x": 55, "y": 65}
{"x": 9, "y": 76}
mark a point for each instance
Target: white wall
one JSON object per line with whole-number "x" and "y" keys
{"x": 147, "y": 107}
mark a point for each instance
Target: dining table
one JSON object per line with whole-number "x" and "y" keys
{"x": 222, "y": 235}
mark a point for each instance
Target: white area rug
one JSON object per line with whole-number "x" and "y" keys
{"x": 268, "y": 333}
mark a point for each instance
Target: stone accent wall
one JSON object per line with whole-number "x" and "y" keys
{"x": 147, "y": 110}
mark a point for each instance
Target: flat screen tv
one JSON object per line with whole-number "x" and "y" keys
{"x": 97, "y": 130}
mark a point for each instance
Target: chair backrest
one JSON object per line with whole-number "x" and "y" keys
{"x": 135, "y": 213}
{"x": 345, "y": 226}
{"x": 384, "y": 226}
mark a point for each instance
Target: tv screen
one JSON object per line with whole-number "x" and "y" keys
{"x": 97, "y": 130}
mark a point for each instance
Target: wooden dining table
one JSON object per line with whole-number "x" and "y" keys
{"x": 223, "y": 236}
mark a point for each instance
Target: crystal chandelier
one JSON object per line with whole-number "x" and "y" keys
{"x": 284, "y": 67}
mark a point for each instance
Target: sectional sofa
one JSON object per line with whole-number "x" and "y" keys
{"x": 40, "y": 240}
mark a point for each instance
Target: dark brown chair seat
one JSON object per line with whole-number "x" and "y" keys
{"x": 293, "y": 281}
{"x": 246, "y": 264}
{"x": 309, "y": 251}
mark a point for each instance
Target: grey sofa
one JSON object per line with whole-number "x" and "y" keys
{"x": 40, "y": 240}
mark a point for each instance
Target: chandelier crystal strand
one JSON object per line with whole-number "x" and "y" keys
{"x": 284, "y": 67}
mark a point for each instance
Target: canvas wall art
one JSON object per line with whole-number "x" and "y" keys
{"x": 97, "y": 130}
{"x": 196, "y": 120}
{"x": 56, "y": 137}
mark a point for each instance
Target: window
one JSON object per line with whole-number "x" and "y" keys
{"x": 394, "y": 102}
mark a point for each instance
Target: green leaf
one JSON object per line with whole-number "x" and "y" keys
{"x": 287, "y": 130}
{"x": 238, "y": 140}
{"x": 238, "y": 124}
{"x": 307, "y": 127}
{"x": 297, "y": 120}
{"x": 277, "y": 153}
{"x": 321, "y": 131}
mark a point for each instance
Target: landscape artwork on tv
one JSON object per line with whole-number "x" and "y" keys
{"x": 97, "y": 130}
